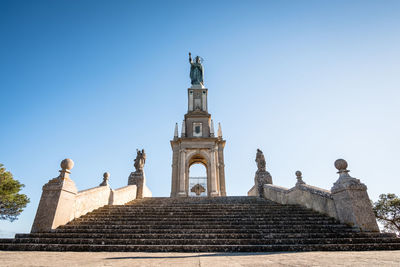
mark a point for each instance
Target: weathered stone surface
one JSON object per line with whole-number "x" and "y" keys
{"x": 352, "y": 203}
{"x": 57, "y": 203}
{"x": 142, "y": 259}
{"x": 61, "y": 202}
{"x": 347, "y": 201}
{"x": 224, "y": 224}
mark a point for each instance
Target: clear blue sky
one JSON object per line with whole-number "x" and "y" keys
{"x": 305, "y": 81}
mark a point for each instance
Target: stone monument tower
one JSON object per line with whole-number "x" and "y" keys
{"x": 197, "y": 143}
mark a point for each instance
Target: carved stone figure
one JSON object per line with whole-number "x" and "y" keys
{"x": 140, "y": 160}
{"x": 260, "y": 160}
{"x": 196, "y": 71}
{"x": 262, "y": 176}
{"x": 138, "y": 177}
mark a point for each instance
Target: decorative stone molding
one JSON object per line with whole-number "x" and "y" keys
{"x": 299, "y": 178}
{"x": 106, "y": 176}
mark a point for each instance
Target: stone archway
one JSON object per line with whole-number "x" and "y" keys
{"x": 198, "y": 158}
{"x": 206, "y": 153}
{"x": 197, "y": 179}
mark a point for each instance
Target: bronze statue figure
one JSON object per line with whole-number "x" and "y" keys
{"x": 196, "y": 71}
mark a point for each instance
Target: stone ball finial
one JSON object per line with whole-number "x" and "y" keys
{"x": 67, "y": 164}
{"x": 106, "y": 175}
{"x": 299, "y": 178}
{"x": 341, "y": 165}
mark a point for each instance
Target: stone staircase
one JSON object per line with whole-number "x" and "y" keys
{"x": 221, "y": 224}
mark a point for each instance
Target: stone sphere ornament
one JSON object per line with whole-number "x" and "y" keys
{"x": 341, "y": 164}
{"x": 298, "y": 173}
{"x": 67, "y": 164}
{"x": 106, "y": 175}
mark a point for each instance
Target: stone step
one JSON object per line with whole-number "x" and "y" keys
{"x": 168, "y": 230}
{"x": 183, "y": 225}
{"x": 161, "y": 242}
{"x": 200, "y": 214}
{"x": 229, "y": 224}
{"x": 204, "y": 207}
{"x": 199, "y": 248}
{"x": 244, "y": 223}
{"x": 200, "y": 211}
{"x": 142, "y": 216}
{"x": 256, "y": 235}
{"x": 193, "y": 221}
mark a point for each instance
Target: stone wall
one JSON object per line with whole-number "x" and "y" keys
{"x": 311, "y": 197}
{"x": 125, "y": 194}
{"x": 91, "y": 199}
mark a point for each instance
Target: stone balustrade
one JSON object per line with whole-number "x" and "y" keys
{"x": 347, "y": 201}
{"x": 61, "y": 202}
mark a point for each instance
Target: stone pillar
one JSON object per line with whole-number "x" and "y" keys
{"x": 352, "y": 203}
{"x": 204, "y": 100}
{"x": 174, "y": 182}
{"x": 221, "y": 169}
{"x": 213, "y": 174}
{"x": 138, "y": 178}
{"x": 190, "y": 100}
{"x": 261, "y": 178}
{"x": 57, "y": 203}
{"x": 182, "y": 172}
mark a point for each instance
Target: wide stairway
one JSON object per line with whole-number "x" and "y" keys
{"x": 223, "y": 224}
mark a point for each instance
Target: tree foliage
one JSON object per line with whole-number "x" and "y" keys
{"x": 387, "y": 211}
{"x": 11, "y": 202}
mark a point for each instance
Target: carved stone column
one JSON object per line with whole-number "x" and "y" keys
{"x": 182, "y": 174}
{"x": 213, "y": 174}
{"x": 175, "y": 171}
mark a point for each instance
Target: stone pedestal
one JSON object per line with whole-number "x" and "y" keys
{"x": 138, "y": 178}
{"x": 352, "y": 203}
{"x": 57, "y": 203}
{"x": 261, "y": 178}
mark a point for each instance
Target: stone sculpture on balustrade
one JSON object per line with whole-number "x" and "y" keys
{"x": 138, "y": 177}
{"x": 262, "y": 176}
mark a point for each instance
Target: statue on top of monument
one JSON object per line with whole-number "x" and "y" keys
{"x": 140, "y": 160}
{"x": 196, "y": 70}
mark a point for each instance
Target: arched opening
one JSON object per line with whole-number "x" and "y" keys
{"x": 198, "y": 179}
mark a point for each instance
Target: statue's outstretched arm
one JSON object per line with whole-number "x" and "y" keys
{"x": 190, "y": 57}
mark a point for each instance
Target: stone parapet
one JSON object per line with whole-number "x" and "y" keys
{"x": 311, "y": 197}
{"x": 347, "y": 201}
{"x": 61, "y": 202}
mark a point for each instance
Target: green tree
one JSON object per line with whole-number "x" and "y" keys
{"x": 11, "y": 202}
{"x": 387, "y": 211}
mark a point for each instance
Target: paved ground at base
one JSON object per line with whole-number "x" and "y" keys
{"x": 367, "y": 258}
